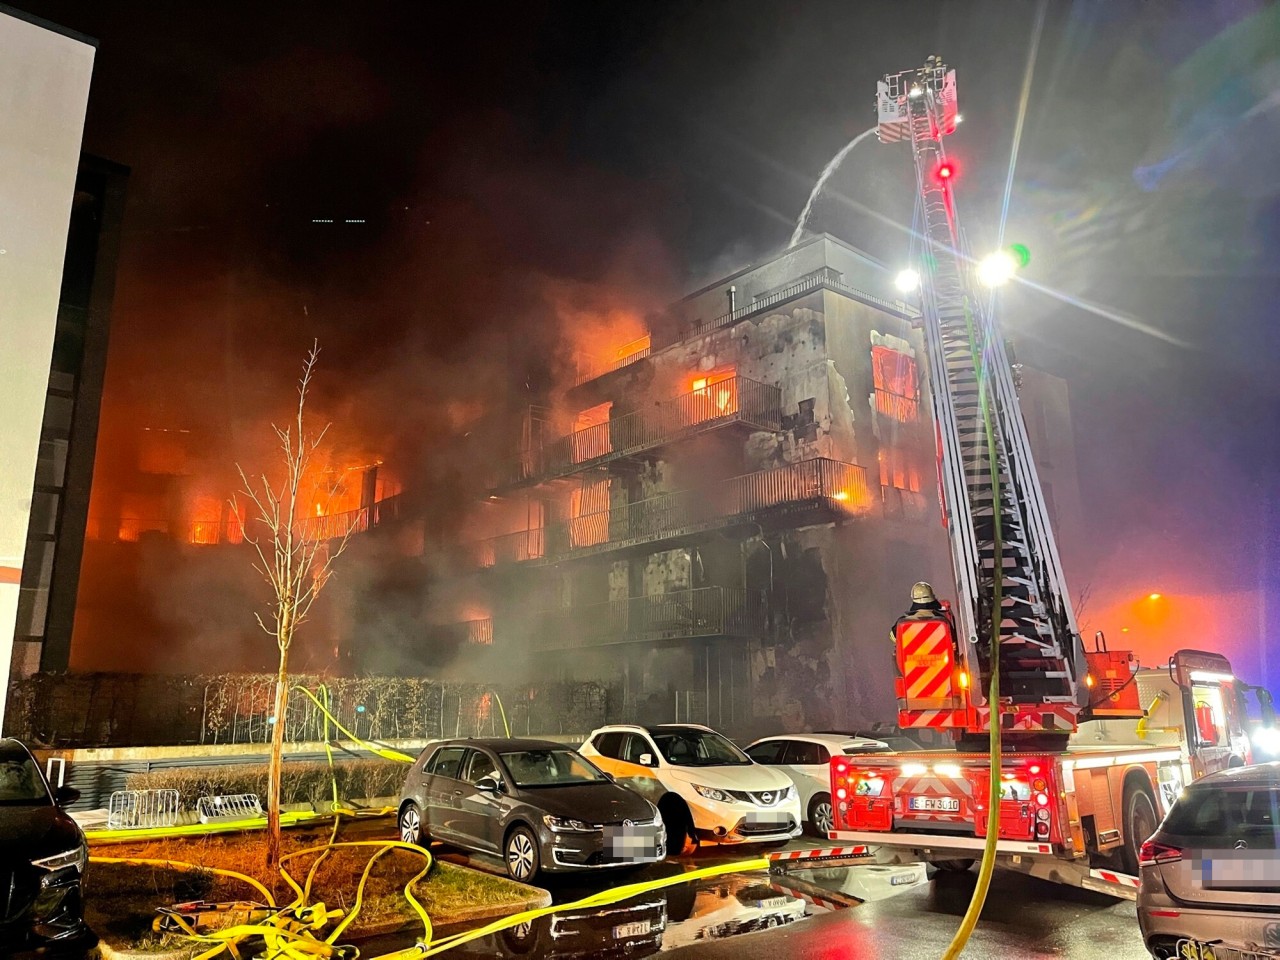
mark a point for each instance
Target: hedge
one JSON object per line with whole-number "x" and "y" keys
{"x": 302, "y": 782}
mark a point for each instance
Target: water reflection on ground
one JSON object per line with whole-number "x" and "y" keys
{"x": 682, "y": 915}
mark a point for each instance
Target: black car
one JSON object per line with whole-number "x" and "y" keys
{"x": 539, "y": 805}
{"x": 42, "y": 857}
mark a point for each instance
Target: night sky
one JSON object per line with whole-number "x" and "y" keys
{"x": 519, "y": 168}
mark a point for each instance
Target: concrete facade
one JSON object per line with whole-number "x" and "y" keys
{"x": 736, "y": 547}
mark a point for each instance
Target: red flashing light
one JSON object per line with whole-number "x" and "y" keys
{"x": 1033, "y": 769}
{"x": 946, "y": 170}
{"x": 1152, "y": 852}
{"x": 841, "y": 767}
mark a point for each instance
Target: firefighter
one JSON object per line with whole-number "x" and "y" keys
{"x": 925, "y": 605}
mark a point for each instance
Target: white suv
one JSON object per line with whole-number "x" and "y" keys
{"x": 806, "y": 759}
{"x": 704, "y": 786}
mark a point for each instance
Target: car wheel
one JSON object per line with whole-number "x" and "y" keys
{"x": 959, "y": 865}
{"x": 521, "y": 855}
{"x": 411, "y": 829}
{"x": 821, "y": 816}
{"x": 683, "y": 839}
{"x": 1140, "y": 822}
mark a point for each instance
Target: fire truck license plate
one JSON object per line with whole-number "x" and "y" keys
{"x": 935, "y": 804}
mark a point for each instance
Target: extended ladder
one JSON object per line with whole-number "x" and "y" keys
{"x": 1040, "y": 659}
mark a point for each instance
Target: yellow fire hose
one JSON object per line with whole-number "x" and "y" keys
{"x": 293, "y": 932}
{"x": 979, "y": 898}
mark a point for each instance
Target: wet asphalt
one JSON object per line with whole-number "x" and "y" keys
{"x": 829, "y": 914}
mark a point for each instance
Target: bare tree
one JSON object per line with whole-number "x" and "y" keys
{"x": 295, "y": 562}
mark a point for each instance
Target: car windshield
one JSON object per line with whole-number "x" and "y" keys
{"x": 550, "y": 768}
{"x": 20, "y": 782}
{"x": 1222, "y": 818}
{"x": 698, "y": 748}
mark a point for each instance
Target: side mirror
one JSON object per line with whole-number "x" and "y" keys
{"x": 65, "y": 796}
{"x": 646, "y": 760}
{"x": 489, "y": 784}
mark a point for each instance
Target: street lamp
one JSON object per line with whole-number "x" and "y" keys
{"x": 907, "y": 281}
{"x": 997, "y": 269}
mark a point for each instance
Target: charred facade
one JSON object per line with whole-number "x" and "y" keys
{"x": 720, "y": 519}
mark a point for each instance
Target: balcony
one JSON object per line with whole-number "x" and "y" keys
{"x": 587, "y": 367}
{"x": 708, "y": 612}
{"x": 734, "y": 400}
{"x": 816, "y": 490}
{"x": 824, "y": 278}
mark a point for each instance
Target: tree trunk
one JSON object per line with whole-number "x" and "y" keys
{"x": 277, "y": 759}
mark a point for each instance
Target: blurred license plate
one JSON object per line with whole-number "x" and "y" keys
{"x": 898, "y": 879}
{"x": 772, "y": 903}
{"x": 1242, "y": 872}
{"x": 639, "y": 928}
{"x": 935, "y": 804}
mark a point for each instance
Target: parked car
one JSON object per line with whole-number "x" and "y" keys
{"x": 42, "y": 856}
{"x": 704, "y": 786}
{"x": 805, "y": 758}
{"x": 1210, "y": 874}
{"x": 539, "y": 805}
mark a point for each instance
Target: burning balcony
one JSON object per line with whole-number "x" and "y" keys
{"x": 815, "y": 490}
{"x": 707, "y": 612}
{"x": 711, "y": 403}
{"x": 587, "y": 367}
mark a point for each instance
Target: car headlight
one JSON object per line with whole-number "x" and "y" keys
{"x": 788, "y": 793}
{"x": 565, "y": 825}
{"x": 75, "y": 857}
{"x": 711, "y": 793}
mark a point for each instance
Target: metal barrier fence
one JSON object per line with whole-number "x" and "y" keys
{"x": 117, "y": 710}
{"x": 221, "y": 809}
{"x": 142, "y": 809}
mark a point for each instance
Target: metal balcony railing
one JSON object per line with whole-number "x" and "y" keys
{"x": 838, "y": 487}
{"x": 588, "y": 367}
{"x": 732, "y": 400}
{"x": 682, "y": 614}
{"x": 509, "y": 548}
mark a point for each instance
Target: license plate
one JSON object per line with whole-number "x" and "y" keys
{"x": 1241, "y": 872}
{"x": 639, "y": 928}
{"x": 900, "y": 879}
{"x": 772, "y": 903}
{"x": 935, "y": 804}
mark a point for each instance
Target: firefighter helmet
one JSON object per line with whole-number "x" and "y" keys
{"x": 922, "y": 593}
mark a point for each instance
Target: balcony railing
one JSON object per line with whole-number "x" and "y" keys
{"x": 840, "y": 488}
{"x": 732, "y": 400}
{"x": 509, "y": 548}
{"x": 683, "y": 614}
{"x": 589, "y": 367}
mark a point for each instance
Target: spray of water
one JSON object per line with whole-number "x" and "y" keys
{"x": 827, "y": 171}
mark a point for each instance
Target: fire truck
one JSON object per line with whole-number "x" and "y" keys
{"x": 1096, "y": 747}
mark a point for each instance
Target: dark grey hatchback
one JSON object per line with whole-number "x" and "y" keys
{"x": 539, "y": 805}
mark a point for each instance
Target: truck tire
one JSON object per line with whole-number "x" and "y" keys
{"x": 1140, "y": 822}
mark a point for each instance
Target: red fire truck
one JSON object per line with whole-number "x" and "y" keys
{"x": 1094, "y": 748}
{"x": 1077, "y": 815}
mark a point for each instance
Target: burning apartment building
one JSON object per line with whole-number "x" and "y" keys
{"x": 722, "y": 519}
